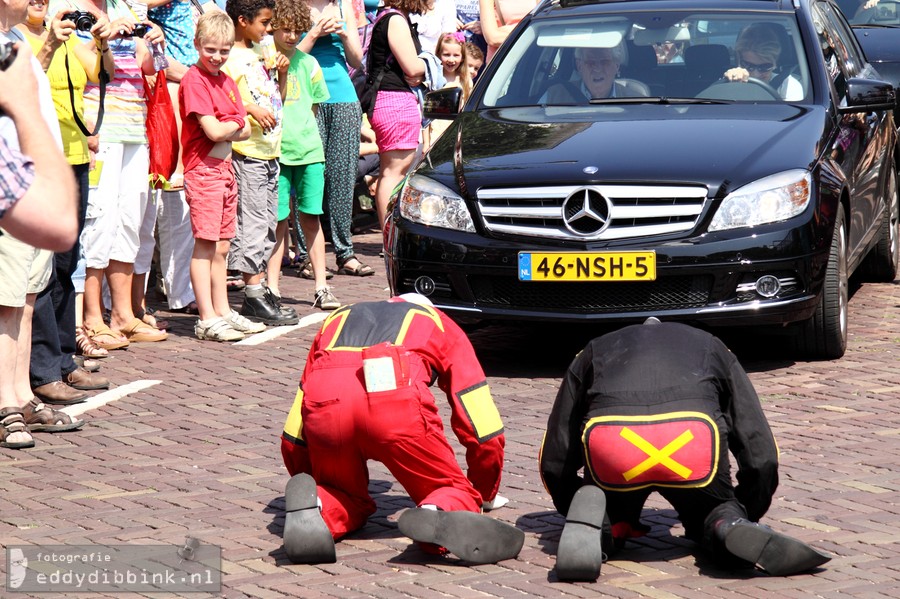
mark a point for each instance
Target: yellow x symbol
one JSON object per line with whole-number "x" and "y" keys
{"x": 657, "y": 456}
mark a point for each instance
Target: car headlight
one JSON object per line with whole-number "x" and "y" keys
{"x": 426, "y": 201}
{"x": 768, "y": 200}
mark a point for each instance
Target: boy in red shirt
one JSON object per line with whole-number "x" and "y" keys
{"x": 213, "y": 116}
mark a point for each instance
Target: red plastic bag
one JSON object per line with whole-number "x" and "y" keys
{"x": 162, "y": 132}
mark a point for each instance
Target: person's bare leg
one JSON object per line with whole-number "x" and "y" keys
{"x": 23, "y": 352}
{"x": 119, "y": 276}
{"x": 92, "y": 300}
{"x": 315, "y": 244}
{"x": 9, "y": 332}
{"x": 138, "y": 293}
{"x": 273, "y": 270}
{"x": 394, "y": 166}
{"x": 219, "y": 279}
{"x": 201, "y": 276}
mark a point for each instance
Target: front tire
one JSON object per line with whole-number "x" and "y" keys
{"x": 824, "y": 335}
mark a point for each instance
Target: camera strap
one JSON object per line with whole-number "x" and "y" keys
{"x": 104, "y": 79}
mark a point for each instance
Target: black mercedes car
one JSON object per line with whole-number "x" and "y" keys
{"x": 724, "y": 162}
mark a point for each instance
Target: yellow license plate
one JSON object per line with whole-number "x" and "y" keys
{"x": 587, "y": 266}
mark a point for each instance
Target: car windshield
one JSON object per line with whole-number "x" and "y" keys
{"x": 668, "y": 57}
{"x": 879, "y": 13}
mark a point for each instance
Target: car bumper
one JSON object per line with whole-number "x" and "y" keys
{"x": 705, "y": 279}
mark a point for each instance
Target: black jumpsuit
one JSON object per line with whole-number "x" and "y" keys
{"x": 657, "y": 407}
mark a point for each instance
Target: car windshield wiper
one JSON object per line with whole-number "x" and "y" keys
{"x": 658, "y": 100}
{"x": 872, "y": 26}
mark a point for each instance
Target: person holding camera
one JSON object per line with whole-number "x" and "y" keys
{"x": 69, "y": 64}
{"x": 45, "y": 191}
{"x": 117, "y": 206}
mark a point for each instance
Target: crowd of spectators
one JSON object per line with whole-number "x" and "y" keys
{"x": 74, "y": 286}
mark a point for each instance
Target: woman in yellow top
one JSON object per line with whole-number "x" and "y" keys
{"x": 67, "y": 59}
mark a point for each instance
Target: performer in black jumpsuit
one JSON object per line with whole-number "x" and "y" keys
{"x": 657, "y": 407}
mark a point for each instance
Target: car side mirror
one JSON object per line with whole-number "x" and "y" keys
{"x": 869, "y": 94}
{"x": 442, "y": 103}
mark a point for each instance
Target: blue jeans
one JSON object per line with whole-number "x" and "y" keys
{"x": 53, "y": 325}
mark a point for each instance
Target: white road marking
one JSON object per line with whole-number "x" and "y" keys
{"x": 273, "y": 332}
{"x": 108, "y": 396}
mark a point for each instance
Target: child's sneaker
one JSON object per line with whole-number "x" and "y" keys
{"x": 244, "y": 324}
{"x": 216, "y": 329}
{"x": 325, "y": 300}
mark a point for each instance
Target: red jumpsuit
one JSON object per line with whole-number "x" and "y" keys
{"x": 336, "y": 424}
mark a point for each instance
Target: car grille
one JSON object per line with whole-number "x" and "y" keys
{"x": 618, "y": 211}
{"x": 664, "y": 293}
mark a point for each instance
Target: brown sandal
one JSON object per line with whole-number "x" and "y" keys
{"x": 86, "y": 347}
{"x": 11, "y": 422}
{"x": 105, "y": 337}
{"x": 149, "y": 317}
{"x": 42, "y": 418}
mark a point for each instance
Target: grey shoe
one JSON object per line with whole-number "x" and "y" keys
{"x": 307, "y": 539}
{"x": 472, "y": 537}
{"x": 580, "y": 552}
{"x": 217, "y": 330}
{"x": 776, "y": 553}
{"x": 325, "y": 300}
{"x": 244, "y": 324}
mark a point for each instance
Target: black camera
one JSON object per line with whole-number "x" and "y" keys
{"x": 140, "y": 30}
{"x": 83, "y": 20}
{"x": 7, "y": 55}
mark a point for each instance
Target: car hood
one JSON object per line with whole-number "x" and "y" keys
{"x": 707, "y": 145}
{"x": 881, "y": 44}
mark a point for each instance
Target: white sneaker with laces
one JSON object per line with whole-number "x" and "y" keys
{"x": 325, "y": 300}
{"x": 216, "y": 329}
{"x": 244, "y": 324}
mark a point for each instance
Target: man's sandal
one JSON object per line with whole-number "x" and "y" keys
{"x": 361, "y": 270}
{"x": 42, "y": 418}
{"x": 148, "y": 315}
{"x": 11, "y": 422}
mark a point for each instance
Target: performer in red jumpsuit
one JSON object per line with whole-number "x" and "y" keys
{"x": 364, "y": 396}
{"x": 657, "y": 407}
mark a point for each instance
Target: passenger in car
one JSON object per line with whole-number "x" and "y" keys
{"x": 758, "y": 50}
{"x": 598, "y": 69}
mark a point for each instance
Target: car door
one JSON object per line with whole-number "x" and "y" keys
{"x": 857, "y": 148}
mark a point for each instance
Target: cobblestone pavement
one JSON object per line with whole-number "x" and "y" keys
{"x": 197, "y": 454}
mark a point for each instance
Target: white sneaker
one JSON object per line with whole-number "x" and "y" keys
{"x": 325, "y": 300}
{"x": 244, "y": 324}
{"x": 217, "y": 329}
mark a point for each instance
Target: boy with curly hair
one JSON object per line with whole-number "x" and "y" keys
{"x": 256, "y": 160}
{"x": 302, "y": 160}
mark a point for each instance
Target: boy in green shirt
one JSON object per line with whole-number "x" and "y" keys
{"x": 302, "y": 160}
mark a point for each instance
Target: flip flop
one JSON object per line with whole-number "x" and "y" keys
{"x": 139, "y": 331}
{"x": 472, "y": 537}
{"x": 307, "y": 539}
{"x": 580, "y": 552}
{"x": 103, "y": 336}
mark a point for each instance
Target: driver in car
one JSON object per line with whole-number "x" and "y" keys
{"x": 758, "y": 50}
{"x": 598, "y": 70}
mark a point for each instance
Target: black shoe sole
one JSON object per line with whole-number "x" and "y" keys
{"x": 272, "y": 322}
{"x": 777, "y": 554}
{"x": 307, "y": 539}
{"x": 471, "y": 537}
{"x": 580, "y": 552}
